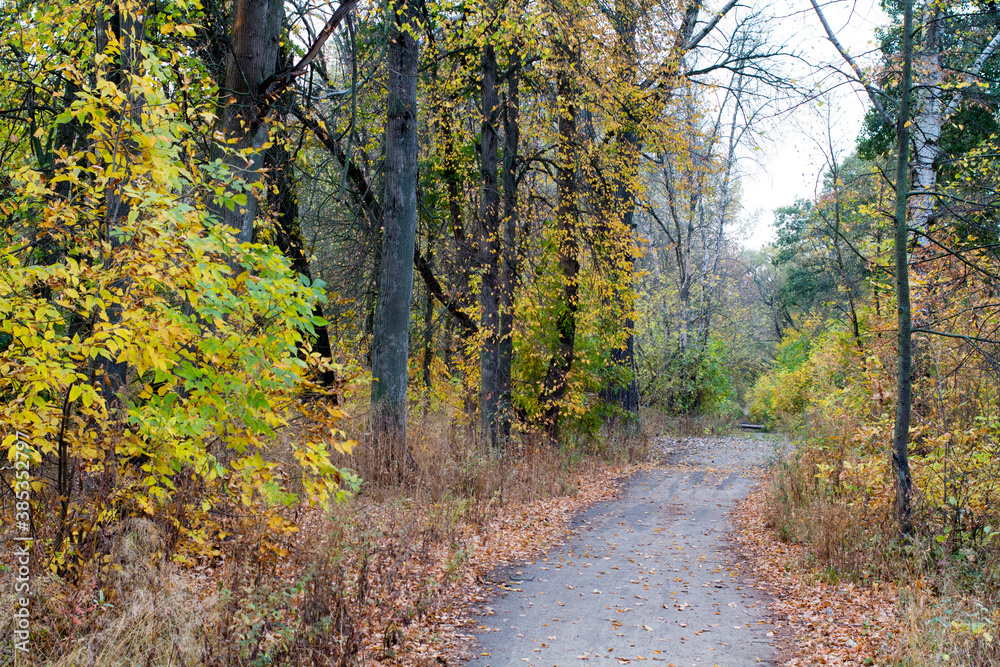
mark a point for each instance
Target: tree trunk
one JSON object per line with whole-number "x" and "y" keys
{"x": 623, "y": 392}
{"x": 255, "y": 36}
{"x": 391, "y": 335}
{"x": 427, "y": 344}
{"x": 928, "y": 117}
{"x": 289, "y": 241}
{"x": 904, "y": 358}
{"x": 462, "y": 262}
{"x": 557, "y": 376}
{"x": 511, "y": 260}
{"x": 490, "y": 256}
{"x": 128, "y": 28}
{"x": 695, "y": 188}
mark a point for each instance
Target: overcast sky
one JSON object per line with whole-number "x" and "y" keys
{"x": 789, "y": 162}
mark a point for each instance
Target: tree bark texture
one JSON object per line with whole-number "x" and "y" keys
{"x": 255, "y": 37}
{"x": 904, "y": 354}
{"x": 928, "y": 116}
{"x": 490, "y": 255}
{"x": 391, "y": 334}
{"x": 511, "y": 260}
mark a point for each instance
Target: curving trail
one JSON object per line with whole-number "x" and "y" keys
{"x": 650, "y": 576}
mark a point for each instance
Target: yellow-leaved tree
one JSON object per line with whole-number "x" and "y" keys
{"x": 149, "y": 362}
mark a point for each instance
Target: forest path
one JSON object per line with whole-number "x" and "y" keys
{"x": 652, "y": 575}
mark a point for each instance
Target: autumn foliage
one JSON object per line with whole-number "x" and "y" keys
{"x": 833, "y": 382}
{"x": 148, "y": 360}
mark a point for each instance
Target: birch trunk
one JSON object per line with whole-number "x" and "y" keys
{"x": 928, "y": 119}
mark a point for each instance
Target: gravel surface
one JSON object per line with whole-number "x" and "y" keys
{"x": 651, "y": 576}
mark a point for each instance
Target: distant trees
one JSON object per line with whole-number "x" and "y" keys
{"x": 823, "y": 247}
{"x": 693, "y": 259}
{"x": 475, "y": 238}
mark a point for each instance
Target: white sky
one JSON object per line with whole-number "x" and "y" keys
{"x": 789, "y": 163}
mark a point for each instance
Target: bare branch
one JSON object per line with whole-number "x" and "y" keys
{"x": 684, "y": 46}
{"x": 272, "y": 87}
{"x": 710, "y": 26}
{"x": 872, "y": 91}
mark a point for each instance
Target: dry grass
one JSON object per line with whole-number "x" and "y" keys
{"x": 386, "y": 577}
{"x": 835, "y": 505}
{"x": 822, "y": 619}
{"x": 135, "y": 605}
{"x": 946, "y": 627}
{"x": 809, "y": 504}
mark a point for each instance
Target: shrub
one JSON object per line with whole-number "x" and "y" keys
{"x": 151, "y": 361}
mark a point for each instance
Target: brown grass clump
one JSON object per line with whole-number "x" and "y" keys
{"x": 832, "y": 621}
{"x": 133, "y": 605}
{"x": 824, "y": 503}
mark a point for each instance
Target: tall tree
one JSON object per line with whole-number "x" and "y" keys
{"x": 556, "y": 380}
{"x": 937, "y": 97}
{"x": 954, "y": 48}
{"x": 623, "y": 390}
{"x": 933, "y": 109}
{"x": 633, "y": 100}
{"x": 904, "y": 352}
{"x": 490, "y": 249}
{"x": 511, "y": 257}
{"x": 391, "y": 336}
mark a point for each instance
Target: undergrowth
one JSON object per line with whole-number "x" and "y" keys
{"x": 836, "y": 499}
{"x": 833, "y": 386}
{"x": 301, "y": 586}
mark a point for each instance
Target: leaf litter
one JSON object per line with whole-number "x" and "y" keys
{"x": 830, "y": 623}
{"x": 425, "y": 599}
{"x": 423, "y": 596}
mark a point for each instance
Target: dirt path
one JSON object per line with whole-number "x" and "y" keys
{"x": 650, "y": 576}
